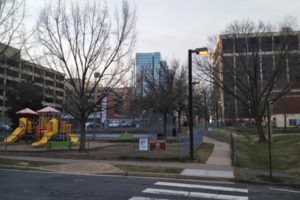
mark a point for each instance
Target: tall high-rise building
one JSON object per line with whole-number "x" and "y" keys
{"x": 147, "y": 64}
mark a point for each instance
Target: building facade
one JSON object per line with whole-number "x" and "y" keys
{"x": 262, "y": 52}
{"x": 14, "y": 70}
{"x": 146, "y": 64}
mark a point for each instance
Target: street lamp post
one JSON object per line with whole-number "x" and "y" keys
{"x": 217, "y": 114}
{"x": 269, "y": 110}
{"x": 205, "y": 109}
{"x": 203, "y": 52}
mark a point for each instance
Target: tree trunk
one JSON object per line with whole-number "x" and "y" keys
{"x": 260, "y": 132}
{"x": 165, "y": 125}
{"x": 82, "y": 136}
{"x": 179, "y": 124}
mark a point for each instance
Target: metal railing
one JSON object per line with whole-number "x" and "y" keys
{"x": 233, "y": 150}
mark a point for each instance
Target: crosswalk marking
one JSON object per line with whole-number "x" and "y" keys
{"x": 193, "y": 194}
{"x": 145, "y": 198}
{"x": 202, "y": 187}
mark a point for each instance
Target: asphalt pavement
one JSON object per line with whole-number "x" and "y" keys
{"x": 23, "y": 185}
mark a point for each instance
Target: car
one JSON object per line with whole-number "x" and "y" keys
{"x": 114, "y": 125}
{"x": 90, "y": 125}
{"x": 128, "y": 125}
{"x": 5, "y": 127}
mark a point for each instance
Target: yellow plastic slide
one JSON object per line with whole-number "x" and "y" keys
{"x": 74, "y": 138}
{"x": 52, "y": 129}
{"x": 43, "y": 141}
{"x": 17, "y": 134}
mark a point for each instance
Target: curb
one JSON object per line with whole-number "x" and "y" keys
{"x": 37, "y": 169}
{"x": 125, "y": 173}
{"x": 168, "y": 175}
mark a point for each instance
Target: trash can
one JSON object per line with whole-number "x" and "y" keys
{"x": 174, "y": 132}
{"x": 160, "y": 136}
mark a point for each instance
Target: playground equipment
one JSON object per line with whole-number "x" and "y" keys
{"x": 49, "y": 128}
{"x": 56, "y": 130}
{"x": 52, "y": 129}
{"x": 25, "y": 127}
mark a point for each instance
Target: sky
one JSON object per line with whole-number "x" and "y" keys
{"x": 174, "y": 26}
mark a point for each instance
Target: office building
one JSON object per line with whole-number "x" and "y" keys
{"x": 147, "y": 65}
{"x": 235, "y": 54}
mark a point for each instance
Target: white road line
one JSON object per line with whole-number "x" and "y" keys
{"x": 285, "y": 190}
{"x": 193, "y": 194}
{"x": 202, "y": 187}
{"x": 144, "y": 198}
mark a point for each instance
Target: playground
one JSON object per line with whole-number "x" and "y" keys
{"x": 41, "y": 129}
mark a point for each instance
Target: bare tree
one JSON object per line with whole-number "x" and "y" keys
{"x": 160, "y": 93}
{"x": 12, "y": 13}
{"x": 181, "y": 91}
{"x": 253, "y": 78}
{"x": 89, "y": 47}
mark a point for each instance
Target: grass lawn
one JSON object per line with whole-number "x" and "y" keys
{"x": 285, "y": 153}
{"x": 203, "y": 152}
{"x": 124, "y": 151}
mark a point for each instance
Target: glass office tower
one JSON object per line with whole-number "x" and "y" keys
{"x": 147, "y": 64}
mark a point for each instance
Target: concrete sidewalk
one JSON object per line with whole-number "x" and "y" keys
{"x": 218, "y": 164}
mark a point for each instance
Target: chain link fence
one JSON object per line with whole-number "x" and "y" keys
{"x": 184, "y": 142}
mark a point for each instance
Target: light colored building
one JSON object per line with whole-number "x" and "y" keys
{"x": 14, "y": 70}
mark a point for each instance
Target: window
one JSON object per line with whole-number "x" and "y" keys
{"x": 26, "y": 77}
{"x": 292, "y": 122}
{"x": 279, "y": 43}
{"x": 39, "y": 80}
{"x": 49, "y": 99}
{"x": 59, "y": 85}
{"x": 293, "y": 42}
{"x": 12, "y": 73}
{"x": 2, "y": 70}
{"x": 49, "y": 74}
{"x": 27, "y": 67}
{"x": 49, "y": 83}
{"x": 240, "y": 45}
{"x": 227, "y": 45}
{"x": 266, "y": 43}
{"x": 38, "y": 71}
{"x": 49, "y": 91}
{"x": 59, "y": 93}
{"x": 267, "y": 67}
{"x": 294, "y": 69}
{"x": 12, "y": 62}
{"x": 59, "y": 78}
{"x": 253, "y": 44}
{"x": 60, "y": 102}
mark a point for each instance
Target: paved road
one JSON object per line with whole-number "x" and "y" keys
{"x": 34, "y": 185}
